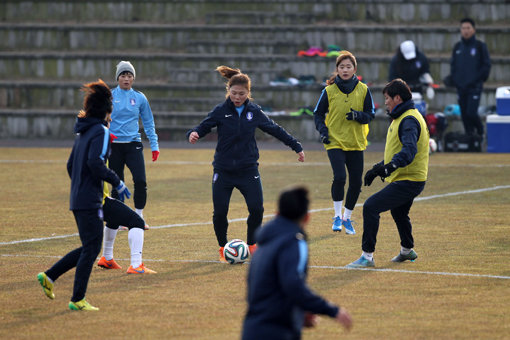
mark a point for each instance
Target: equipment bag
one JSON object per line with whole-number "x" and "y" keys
{"x": 459, "y": 142}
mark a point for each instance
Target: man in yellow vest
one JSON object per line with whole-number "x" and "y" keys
{"x": 405, "y": 167}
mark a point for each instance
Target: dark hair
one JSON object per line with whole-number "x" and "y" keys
{"x": 293, "y": 203}
{"x": 98, "y": 100}
{"x": 469, "y": 20}
{"x": 341, "y": 57}
{"x": 400, "y": 87}
{"x": 235, "y": 77}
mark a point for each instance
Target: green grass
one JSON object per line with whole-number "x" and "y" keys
{"x": 195, "y": 297}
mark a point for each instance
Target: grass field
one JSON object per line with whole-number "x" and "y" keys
{"x": 459, "y": 287}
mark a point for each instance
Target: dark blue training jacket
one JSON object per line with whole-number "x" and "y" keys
{"x": 86, "y": 164}
{"x": 470, "y": 64}
{"x": 409, "y": 70}
{"x": 346, "y": 86}
{"x": 277, "y": 292}
{"x": 237, "y": 147}
{"x": 408, "y": 133}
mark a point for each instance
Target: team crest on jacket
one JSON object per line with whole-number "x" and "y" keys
{"x": 249, "y": 115}
{"x": 132, "y": 101}
{"x": 473, "y": 51}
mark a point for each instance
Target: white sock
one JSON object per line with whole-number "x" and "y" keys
{"x": 135, "y": 239}
{"x": 405, "y": 251}
{"x": 347, "y": 214}
{"x": 338, "y": 208}
{"x": 139, "y": 212}
{"x": 109, "y": 239}
{"x": 368, "y": 256}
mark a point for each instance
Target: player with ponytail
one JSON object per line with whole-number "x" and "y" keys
{"x": 235, "y": 162}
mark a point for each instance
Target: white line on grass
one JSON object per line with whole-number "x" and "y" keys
{"x": 474, "y": 191}
{"x": 46, "y": 161}
{"x": 503, "y": 277}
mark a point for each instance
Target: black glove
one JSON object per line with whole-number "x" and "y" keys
{"x": 353, "y": 115}
{"x": 325, "y": 138}
{"x": 372, "y": 173}
{"x": 379, "y": 169}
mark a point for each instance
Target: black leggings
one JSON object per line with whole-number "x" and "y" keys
{"x": 130, "y": 155}
{"x": 117, "y": 213}
{"x": 249, "y": 184}
{"x": 339, "y": 160}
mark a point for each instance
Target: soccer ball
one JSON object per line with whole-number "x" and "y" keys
{"x": 432, "y": 145}
{"x": 236, "y": 251}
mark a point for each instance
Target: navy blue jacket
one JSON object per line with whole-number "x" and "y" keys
{"x": 346, "y": 86}
{"x": 408, "y": 133}
{"x": 86, "y": 165}
{"x": 470, "y": 65}
{"x": 237, "y": 147}
{"x": 409, "y": 70}
{"x": 277, "y": 292}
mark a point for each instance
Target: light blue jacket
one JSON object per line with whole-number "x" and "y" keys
{"x": 128, "y": 107}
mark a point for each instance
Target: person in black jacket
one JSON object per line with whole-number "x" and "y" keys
{"x": 412, "y": 66}
{"x": 87, "y": 169}
{"x": 470, "y": 68}
{"x": 235, "y": 160}
{"x": 404, "y": 167}
{"x": 279, "y": 301}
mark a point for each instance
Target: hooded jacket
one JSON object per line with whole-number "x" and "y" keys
{"x": 277, "y": 292}
{"x": 87, "y": 164}
{"x": 346, "y": 86}
{"x": 237, "y": 148}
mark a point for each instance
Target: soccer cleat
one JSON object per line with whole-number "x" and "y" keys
{"x": 222, "y": 254}
{"x": 108, "y": 264}
{"x": 140, "y": 270}
{"x": 362, "y": 262}
{"x": 252, "y": 249}
{"x": 349, "y": 229}
{"x": 401, "y": 257}
{"x": 47, "y": 286}
{"x": 337, "y": 224}
{"x": 81, "y": 305}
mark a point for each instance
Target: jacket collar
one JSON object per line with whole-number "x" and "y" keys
{"x": 401, "y": 108}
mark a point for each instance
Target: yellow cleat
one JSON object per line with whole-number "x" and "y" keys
{"x": 81, "y": 305}
{"x": 46, "y": 284}
{"x": 140, "y": 270}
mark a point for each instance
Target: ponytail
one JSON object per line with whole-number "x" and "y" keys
{"x": 235, "y": 77}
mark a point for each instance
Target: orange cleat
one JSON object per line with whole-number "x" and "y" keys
{"x": 108, "y": 264}
{"x": 252, "y": 248}
{"x": 140, "y": 270}
{"x": 222, "y": 255}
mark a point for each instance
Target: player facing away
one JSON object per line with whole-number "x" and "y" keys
{"x": 235, "y": 160}
{"x": 129, "y": 107}
{"x": 404, "y": 167}
{"x": 279, "y": 301}
{"x": 341, "y": 115}
{"x": 87, "y": 169}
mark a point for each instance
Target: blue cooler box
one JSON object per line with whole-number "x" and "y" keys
{"x": 503, "y": 101}
{"x": 498, "y": 133}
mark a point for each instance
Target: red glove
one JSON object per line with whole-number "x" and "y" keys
{"x": 155, "y": 155}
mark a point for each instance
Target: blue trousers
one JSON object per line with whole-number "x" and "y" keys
{"x": 248, "y": 182}
{"x": 397, "y": 197}
{"x": 90, "y": 228}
